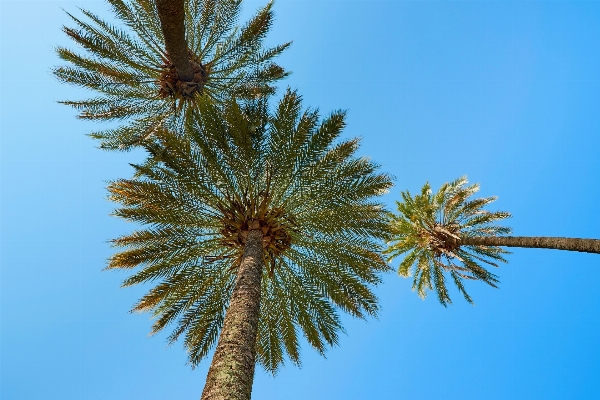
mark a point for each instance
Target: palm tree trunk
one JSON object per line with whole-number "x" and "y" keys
{"x": 558, "y": 243}
{"x": 172, "y": 22}
{"x": 231, "y": 372}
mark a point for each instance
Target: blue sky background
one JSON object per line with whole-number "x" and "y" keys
{"x": 505, "y": 92}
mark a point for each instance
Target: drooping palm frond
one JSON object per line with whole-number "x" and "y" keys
{"x": 283, "y": 170}
{"x": 431, "y": 227}
{"x": 135, "y": 81}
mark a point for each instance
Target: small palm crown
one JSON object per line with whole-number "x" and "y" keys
{"x": 431, "y": 228}
{"x": 242, "y": 168}
{"x": 135, "y": 79}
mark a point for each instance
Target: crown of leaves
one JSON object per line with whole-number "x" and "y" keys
{"x": 430, "y": 227}
{"x": 243, "y": 164}
{"x": 134, "y": 80}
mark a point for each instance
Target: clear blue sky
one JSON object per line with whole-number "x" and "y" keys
{"x": 505, "y": 92}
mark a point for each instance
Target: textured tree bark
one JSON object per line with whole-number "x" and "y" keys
{"x": 558, "y": 243}
{"x": 172, "y": 22}
{"x": 231, "y": 372}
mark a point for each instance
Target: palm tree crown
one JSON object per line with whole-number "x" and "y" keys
{"x": 432, "y": 228}
{"x": 243, "y": 168}
{"x": 135, "y": 80}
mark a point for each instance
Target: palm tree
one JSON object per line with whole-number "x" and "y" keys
{"x": 258, "y": 228}
{"x": 137, "y": 81}
{"x": 446, "y": 232}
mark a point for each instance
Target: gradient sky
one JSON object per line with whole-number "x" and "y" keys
{"x": 507, "y": 93}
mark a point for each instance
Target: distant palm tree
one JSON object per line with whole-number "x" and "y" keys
{"x": 137, "y": 81}
{"x": 446, "y": 232}
{"x": 258, "y": 228}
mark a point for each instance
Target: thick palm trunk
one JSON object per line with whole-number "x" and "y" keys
{"x": 172, "y": 22}
{"x": 558, "y": 243}
{"x": 232, "y": 369}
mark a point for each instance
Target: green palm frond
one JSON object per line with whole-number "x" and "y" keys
{"x": 130, "y": 72}
{"x": 242, "y": 164}
{"x": 430, "y": 228}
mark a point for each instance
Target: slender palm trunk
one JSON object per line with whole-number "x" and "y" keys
{"x": 232, "y": 369}
{"x": 172, "y": 22}
{"x": 558, "y": 243}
